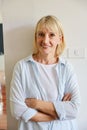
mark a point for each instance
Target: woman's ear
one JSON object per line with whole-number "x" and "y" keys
{"x": 61, "y": 38}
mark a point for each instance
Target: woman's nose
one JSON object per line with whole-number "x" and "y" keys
{"x": 46, "y": 39}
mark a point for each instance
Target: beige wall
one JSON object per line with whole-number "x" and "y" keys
{"x": 2, "y": 62}
{"x": 19, "y": 18}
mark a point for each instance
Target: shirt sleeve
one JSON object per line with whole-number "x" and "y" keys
{"x": 69, "y": 109}
{"x": 17, "y": 97}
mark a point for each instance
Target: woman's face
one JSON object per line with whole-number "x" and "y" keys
{"x": 47, "y": 41}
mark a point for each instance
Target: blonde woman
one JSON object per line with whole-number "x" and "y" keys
{"x": 44, "y": 92}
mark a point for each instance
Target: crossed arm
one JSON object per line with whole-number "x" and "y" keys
{"x": 46, "y": 111}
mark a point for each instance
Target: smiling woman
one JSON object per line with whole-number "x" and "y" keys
{"x": 44, "y": 92}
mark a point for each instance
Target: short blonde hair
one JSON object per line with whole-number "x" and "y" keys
{"x": 50, "y": 22}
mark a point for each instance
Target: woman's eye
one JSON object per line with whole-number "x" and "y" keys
{"x": 41, "y": 34}
{"x": 52, "y": 35}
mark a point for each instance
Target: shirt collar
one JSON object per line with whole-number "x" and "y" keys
{"x": 30, "y": 59}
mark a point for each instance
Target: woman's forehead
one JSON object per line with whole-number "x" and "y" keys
{"x": 47, "y": 28}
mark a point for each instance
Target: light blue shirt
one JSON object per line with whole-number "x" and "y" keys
{"x": 26, "y": 84}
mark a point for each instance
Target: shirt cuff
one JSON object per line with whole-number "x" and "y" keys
{"x": 28, "y": 114}
{"x": 59, "y": 107}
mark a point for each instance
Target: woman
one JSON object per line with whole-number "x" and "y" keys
{"x": 44, "y": 92}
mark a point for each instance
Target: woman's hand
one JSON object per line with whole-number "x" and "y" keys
{"x": 31, "y": 102}
{"x": 67, "y": 97}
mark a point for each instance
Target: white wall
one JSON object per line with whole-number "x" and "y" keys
{"x": 2, "y": 62}
{"x": 19, "y": 18}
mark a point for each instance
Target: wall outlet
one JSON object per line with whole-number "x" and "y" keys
{"x": 76, "y": 52}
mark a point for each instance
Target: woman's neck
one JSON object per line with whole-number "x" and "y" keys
{"x": 47, "y": 59}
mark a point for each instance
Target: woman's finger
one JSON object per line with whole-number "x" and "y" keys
{"x": 67, "y": 97}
